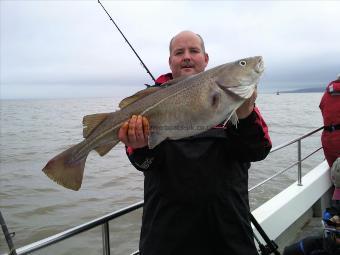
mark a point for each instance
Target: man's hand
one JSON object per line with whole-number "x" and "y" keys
{"x": 247, "y": 107}
{"x": 134, "y": 132}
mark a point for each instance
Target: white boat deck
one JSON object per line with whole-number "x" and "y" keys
{"x": 312, "y": 228}
{"x": 296, "y": 212}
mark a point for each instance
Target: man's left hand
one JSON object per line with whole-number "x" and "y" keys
{"x": 247, "y": 107}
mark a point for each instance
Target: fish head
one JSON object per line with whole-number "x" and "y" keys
{"x": 240, "y": 77}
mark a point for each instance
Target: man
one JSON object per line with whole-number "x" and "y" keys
{"x": 196, "y": 189}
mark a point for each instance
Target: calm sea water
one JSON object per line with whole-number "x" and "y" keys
{"x": 34, "y": 207}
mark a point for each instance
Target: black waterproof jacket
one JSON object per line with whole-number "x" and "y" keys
{"x": 196, "y": 190}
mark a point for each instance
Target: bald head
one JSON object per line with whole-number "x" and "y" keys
{"x": 186, "y": 34}
{"x": 187, "y": 54}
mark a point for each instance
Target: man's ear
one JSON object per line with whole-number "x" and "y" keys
{"x": 206, "y": 57}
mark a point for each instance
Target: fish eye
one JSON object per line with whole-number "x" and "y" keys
{"x": 243, "y": 63}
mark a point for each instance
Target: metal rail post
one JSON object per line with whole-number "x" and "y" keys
{"x": 299, "y": 164}
{"x": 106, "y": 238}
{"x": 8, "y": 236}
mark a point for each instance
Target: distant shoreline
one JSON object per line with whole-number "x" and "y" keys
{"x": 305, "y": 90}
{"x": 84, "y": 97}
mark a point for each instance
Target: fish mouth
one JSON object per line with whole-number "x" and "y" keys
{"x": 259, "y": 68}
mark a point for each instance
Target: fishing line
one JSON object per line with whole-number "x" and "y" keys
{"x": 141, "y": 61}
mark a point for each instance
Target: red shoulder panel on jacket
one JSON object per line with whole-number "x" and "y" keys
{"x": 163, "y": 78}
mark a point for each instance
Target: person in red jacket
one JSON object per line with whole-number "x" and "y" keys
{"x": 196, "y": 188}
{"x": 330, "y": 138}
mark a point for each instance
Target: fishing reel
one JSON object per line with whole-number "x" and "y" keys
{"x": 265, "y": 249}
{"x": 268, "y": 248}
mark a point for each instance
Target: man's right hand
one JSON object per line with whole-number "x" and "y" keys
{"x": 135, "y": 132}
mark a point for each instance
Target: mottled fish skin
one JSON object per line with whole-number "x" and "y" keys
{"x": 180, "y": 108}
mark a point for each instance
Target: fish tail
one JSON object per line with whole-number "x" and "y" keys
{"x": 64, "y": 170}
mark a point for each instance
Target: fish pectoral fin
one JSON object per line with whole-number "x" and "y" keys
{"x": 140, "y": 94}
{"x": 90, "y": 122}
{"x": 234, "y": 118}
{"x": 154, "y": 139}
{"x": 103, "y": 149}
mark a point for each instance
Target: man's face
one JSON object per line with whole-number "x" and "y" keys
{"x": 187, "y": 56}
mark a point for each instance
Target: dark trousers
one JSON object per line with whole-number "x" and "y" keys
{"x": 307, "y": 246}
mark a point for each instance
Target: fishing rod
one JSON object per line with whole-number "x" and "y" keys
{"x": 8, "y": 236}
{"x": 271, "y": 246}
{"x": 141, "y": 61}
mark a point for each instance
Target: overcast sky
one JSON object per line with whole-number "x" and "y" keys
{"x": 71, "y": 48}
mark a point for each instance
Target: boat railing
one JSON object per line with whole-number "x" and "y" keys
{"x": 104, "y": 220}
{"x": 299, "y": 158}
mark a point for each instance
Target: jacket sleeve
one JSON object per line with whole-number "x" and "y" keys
{"x": 250, "y": 140}
{"x": 144, "y": 159}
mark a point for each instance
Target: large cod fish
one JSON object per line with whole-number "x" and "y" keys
{"x": 180, "y": 108}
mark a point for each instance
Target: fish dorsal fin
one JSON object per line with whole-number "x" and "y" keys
{"x": 140, "y": 94}
{"x": 174, "y": 81}
{"x": 103, "y": 149}
{"x": 90, "y": 122}
{"x": 148, "y": 91}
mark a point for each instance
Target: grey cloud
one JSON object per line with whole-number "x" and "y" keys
{"x": 74, "y": 42}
